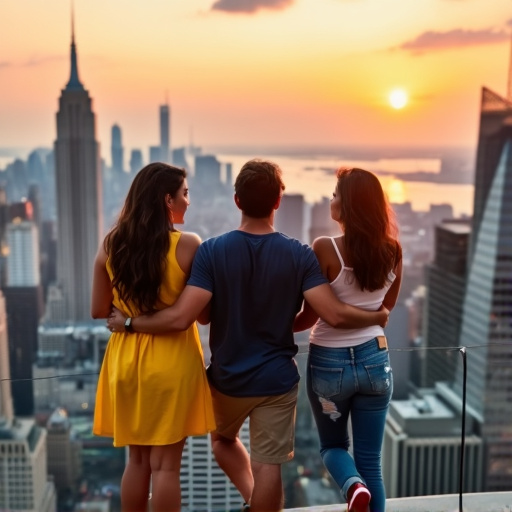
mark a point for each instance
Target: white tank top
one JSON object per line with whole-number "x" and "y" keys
{"x": 347, "y": 289}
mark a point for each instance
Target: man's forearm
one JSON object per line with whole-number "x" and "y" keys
{"x": 166, "y": 320}
{"x": 339, "y": 314}
{"x": 352, "y": 317}
{"x": 345, "y": 316}
{"x": 178, "y": 317}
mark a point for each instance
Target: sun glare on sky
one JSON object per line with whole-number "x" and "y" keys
{"x": 395, "y": 190}
{"x": 398, "y": 98}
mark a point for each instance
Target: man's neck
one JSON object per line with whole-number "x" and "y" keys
{"x": 255, "y": 226}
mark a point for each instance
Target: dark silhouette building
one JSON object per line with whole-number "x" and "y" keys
{"x": 23, "y": 304}
{"x": 445, "y": 280}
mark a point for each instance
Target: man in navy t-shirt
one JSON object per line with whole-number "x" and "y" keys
{"x": 255, "y": 280}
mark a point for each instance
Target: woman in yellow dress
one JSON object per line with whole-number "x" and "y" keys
{"x": 152, "y": 389}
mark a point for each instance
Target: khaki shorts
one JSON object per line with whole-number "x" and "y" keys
{"x": 271, "y": 427}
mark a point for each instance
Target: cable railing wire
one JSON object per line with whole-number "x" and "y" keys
{"x": 303, "y": 348}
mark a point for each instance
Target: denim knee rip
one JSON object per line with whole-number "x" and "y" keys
{"x": 326, "y": 382}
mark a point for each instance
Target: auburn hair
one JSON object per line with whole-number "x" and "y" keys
{"x": 370, "y": 229}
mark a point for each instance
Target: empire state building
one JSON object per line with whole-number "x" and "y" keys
{"x": 78, "y": 186}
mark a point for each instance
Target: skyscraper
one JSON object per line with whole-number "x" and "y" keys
{"x": 321, "y": 223}
{"x": 207, "y": 173}
{"x": 421, "y": 449}
{"x": 289, "y": 219}
{"x": 24, "y": 305}
{"x": 165, "y": 138}
{"x": 78, "y": 183}
{"x": 445, "y": 279}
{"x": 23, "y": 261}
{"x": 24, "y": 481}
{"x": 23, "y": 478}
{"x": 469, "y": 301}
{"x": 495, "y": 114}
{"x": 117, "y": 151}
{"x": 64, "y": 457}
{"x": 204, "y": 486}
{"x": 487, "y": 323}
{"x": 136, "y": 162}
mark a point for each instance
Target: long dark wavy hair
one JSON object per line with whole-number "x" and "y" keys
{"x": 370, "y": 228}
{"x": 138, "y": 244}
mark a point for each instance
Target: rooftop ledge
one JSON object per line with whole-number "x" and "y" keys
{"x": 474, "y": 502}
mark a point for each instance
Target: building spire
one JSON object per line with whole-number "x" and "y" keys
{"x": 74, "y": 83}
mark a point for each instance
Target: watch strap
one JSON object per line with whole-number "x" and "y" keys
{"x": 128, "y": 325}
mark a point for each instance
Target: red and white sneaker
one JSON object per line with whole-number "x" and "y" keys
{"x": 358, "y": 498}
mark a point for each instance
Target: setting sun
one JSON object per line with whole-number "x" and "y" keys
{"x": 398, "y": 98}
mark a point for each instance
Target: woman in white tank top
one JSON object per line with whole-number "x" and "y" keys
{"x": 348, "y": 371}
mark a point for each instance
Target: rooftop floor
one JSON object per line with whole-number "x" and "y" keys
{"x": 478, "y": 502}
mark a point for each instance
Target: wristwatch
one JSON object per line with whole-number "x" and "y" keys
{"x": 128, "y": 325}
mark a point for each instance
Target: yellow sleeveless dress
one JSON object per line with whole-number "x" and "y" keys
{"x": 153, "y": 389}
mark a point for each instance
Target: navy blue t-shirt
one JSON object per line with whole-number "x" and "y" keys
{"x": 257, "y": 282}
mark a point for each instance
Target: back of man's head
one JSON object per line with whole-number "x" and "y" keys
{"x": 258, "y": 187}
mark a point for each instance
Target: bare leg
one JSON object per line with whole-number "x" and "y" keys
{"x": 165, "y": 462}
{"x": 135, "y": 481}
{"x": 233, "y": 459}
{"x": 268, "y": 495}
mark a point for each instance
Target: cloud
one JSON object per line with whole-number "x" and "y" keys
{"x": 32, "y": 62}
{"x": 41, "y": 61}
{"x": 250, "y": 6}
{"x": 432, "y": 40}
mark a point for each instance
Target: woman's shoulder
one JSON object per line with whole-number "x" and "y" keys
{"x": 189, "y": 240}
{"x": 326, "y": 245}
{"x": 186, "y": 248}
{"x": 322, "y": 242}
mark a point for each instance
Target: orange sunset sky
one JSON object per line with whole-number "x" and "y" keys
{"x": 256, "y": 72}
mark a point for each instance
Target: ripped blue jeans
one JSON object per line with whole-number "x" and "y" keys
{"x": 355, "y": 381}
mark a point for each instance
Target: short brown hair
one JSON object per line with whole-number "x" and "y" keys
{"x": 258, "y": 186}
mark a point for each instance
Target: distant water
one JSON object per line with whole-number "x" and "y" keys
{"x": 314, "y": 178}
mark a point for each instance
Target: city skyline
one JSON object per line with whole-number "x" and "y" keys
{"x": 79, "y": 349}
{"x": 292, "y": 72}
